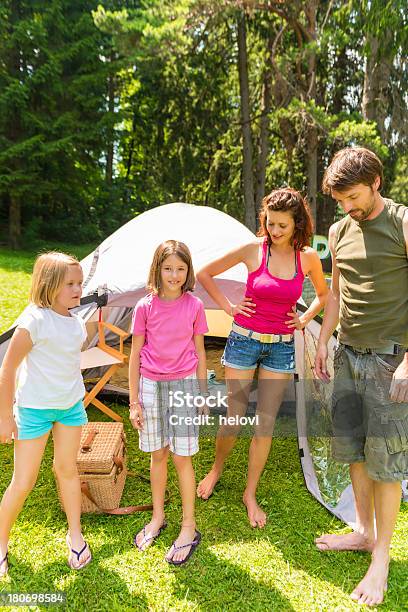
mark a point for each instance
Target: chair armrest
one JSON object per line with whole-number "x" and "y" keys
{"x": 115, "y": 330}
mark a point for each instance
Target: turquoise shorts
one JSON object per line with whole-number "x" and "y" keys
{"x": 35, "y": 422}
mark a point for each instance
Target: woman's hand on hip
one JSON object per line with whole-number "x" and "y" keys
{"x": 295, "y": 321}
{"x": 245, "y": 307}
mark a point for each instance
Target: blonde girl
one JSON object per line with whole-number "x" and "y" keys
{"x": 168, "y": 357}
{"x": 47, "y": 345}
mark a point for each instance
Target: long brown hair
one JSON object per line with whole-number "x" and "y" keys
{"x": 288, "y": 200}
{"x": 164, "y": 250}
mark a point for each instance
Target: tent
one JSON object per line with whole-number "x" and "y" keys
{"x": 119, "y": 267}
{"x": 122, "y": 261}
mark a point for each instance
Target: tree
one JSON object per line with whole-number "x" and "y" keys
{"x": 53, "y": 118}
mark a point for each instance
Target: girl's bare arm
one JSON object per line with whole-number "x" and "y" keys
{"x": 20, "y": 345}
{"x": 135, "y": 410}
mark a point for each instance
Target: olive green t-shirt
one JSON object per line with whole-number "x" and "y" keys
{"x": 372, "y": 260}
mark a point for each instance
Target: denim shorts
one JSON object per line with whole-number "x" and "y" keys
{"x": 244, "y": 353}
{"x": 35, "y": 422}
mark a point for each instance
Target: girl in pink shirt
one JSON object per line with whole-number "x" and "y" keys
{"x": 167, "y": 369}
{"x": 262, "y": 330}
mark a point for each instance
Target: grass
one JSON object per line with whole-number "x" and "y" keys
{"x": 234, "y": 568}
{"x": 15, "y": 274}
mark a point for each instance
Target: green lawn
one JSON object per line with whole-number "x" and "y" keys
{"x": 234, "y": 568}
{"x": 15, "y": 273}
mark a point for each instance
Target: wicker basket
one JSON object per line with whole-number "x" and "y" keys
{"x": 101, "y": 465}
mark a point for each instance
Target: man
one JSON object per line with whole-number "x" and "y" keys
{"x": 369, "y": 300}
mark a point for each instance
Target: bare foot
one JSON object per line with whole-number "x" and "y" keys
{"x": 206, "y": 486}
{"x": 149, "y": 533}
{"x": 256, "y": 516}
{"x": 370, "y": 591}
{"x": 344, "y": 541}
{"x": 186, "y": 536}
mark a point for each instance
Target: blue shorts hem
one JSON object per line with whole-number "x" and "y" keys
{"x": 238, "y": 367}
{"x": 34, "y": 423}
{"x": 33, "y": 435}
{"x": 269, "y": 369}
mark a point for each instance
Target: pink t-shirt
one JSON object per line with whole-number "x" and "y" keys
{"x": 169, "y": 328}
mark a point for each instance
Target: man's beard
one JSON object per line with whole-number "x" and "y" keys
{"x": 363, "y": 214}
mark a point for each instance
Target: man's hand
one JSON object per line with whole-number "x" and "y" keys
{"x": 8, "y": 430}
{"x": 321, "y": 363}
{"x": 399, "y": 384}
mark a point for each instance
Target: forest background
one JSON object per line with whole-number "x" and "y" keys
{"x": 109, "y": 109}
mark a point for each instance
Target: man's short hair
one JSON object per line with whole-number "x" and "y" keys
{"x": 350, "y": 167}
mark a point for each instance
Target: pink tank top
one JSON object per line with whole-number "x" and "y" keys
{"x": 274, "y": 297}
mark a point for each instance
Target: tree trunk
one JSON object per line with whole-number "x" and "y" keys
{"x": 247, "y": 171}
{"x": 263, "y": 149}
{"x": 311, "y": 130}
{"x": 326, "y": 209}
{"x": 14, "y": 222}
{"x": 13, "y": 132}
{"x": 376, "y": 83}
{"x": 311, "y": 169}
{"x": 111, "y": 131}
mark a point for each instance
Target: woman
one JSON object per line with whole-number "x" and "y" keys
{"x": 263, "y": 326}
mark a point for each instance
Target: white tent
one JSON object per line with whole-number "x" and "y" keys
{"x": 122, "y": 261}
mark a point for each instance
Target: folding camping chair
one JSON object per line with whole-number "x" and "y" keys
{"x": 104, "y": 355}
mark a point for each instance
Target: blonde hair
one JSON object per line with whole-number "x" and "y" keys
{"x": 48, "y": 277}
{"x": 164, "y": 250}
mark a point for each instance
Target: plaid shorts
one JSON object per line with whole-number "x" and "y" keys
{"x": 168, "y": 413}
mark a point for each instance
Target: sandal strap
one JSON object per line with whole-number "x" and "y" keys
{"x": 185, "y": 545}
{"x": 152, "y": 537}
{"x": 145, "y": 538}
{"x": 78, "y": 554}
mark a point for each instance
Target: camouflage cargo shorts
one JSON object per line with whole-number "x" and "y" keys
{"x": 367, "y": 426}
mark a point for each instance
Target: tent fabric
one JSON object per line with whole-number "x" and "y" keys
{"x": 123, "y": 259}
{"x": 327, "y": 480}
{"x": 121, "y": 263}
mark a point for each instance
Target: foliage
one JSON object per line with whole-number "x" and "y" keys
{"x": 108, "y": 110}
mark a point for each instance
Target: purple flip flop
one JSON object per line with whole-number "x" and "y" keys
{"x": 149, "y": 541}
{"x": 4, "y": 566}
{"x": 78, "y": 555}
{"x": 193, "y": 545}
